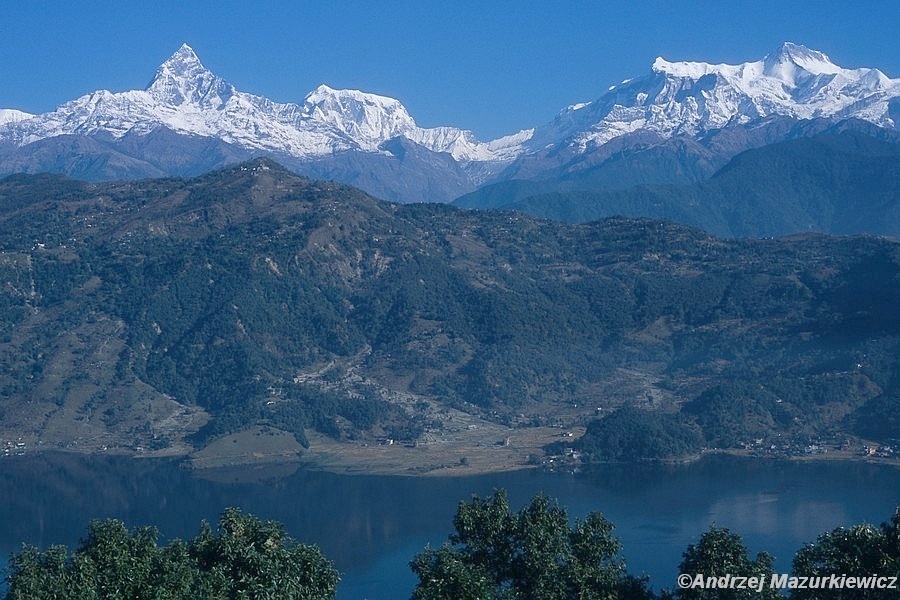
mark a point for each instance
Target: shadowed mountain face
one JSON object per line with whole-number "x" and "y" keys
{"x": 150, "y": 312}
{"x": 841, "y": 182}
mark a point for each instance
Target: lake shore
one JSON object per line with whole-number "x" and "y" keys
{"x": 476, "y": 452}
{"x": 520, "y": 449}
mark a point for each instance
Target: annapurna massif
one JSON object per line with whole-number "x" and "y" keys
{"x": 188, "y": 121}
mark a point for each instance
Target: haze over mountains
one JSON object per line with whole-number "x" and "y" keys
{"x": 677, "y": 124}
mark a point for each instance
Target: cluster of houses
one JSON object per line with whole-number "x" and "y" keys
{"x": 878, "y": 451}
{"x": 14, "y": 448}
{"x": 787, "y": 448}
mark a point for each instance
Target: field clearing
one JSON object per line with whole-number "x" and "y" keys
{"x": 478, "y": 452}
{"x": 473, "y": 451}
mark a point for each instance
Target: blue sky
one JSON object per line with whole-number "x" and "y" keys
{"x": 493, "y": 67}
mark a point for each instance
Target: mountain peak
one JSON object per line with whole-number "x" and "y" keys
{"x": 11, "y": 115}
{"x": 367, "y": 118}
{"x": 326, "y": 132}
{"x": 783, "y": 62}
{"x": 689, "y": 98}
{"x": 183, "y": 61}
{"x": 186, "y": 53}
{"x": 324, "y": 94}
{"x": 183, "y": 78}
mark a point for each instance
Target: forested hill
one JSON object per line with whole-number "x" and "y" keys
{"x": 159, "y": 311}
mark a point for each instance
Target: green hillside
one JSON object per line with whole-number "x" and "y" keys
{"x": 163, "y": 313}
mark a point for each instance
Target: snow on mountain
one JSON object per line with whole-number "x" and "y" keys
{"x": 369, "y": 120}
{"x": 183, "y": 79}
{"x": 10, "y": 115}
{"x": 695, "y": 97}
{"x": 187, "y": 98}
{"x": 674, "y": 98}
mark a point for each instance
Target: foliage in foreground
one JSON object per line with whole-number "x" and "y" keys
{"x": 494, "y": 554}
{"x": 532, "y": 554}
{"x": 862, "y": 549}
{"x": 718, "y": 553}
{"x": 535, "y": 554}
{"x": 246, "y": 558}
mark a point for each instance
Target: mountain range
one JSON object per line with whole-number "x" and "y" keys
{"x": 677, "y": 124}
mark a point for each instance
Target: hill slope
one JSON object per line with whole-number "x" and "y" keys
{"x": 161, "y": 312}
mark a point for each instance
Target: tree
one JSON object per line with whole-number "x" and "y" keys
{"x": 534, "y": 554}
{"x": 35, "y": 574}
{"x": 247, "y": 558}
{"x": 111, "y": 563}
{"x": 859, "y": 551}
{"x": 719, "y": 553}
{"x": 444, "y": 573}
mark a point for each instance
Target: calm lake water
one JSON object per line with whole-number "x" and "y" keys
{"x": 372, "y": 526}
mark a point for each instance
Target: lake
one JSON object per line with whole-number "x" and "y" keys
{"x": 372, "y": 526}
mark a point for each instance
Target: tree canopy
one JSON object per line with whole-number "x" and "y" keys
{"x": 494, "y": 553}
{"x": 860, "y": 550}
{"x": 532, "y": 554}
{"x": 719, "y": 552}
{"x": 245, "y": 559}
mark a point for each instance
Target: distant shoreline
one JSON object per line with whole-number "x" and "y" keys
{"x": 522, "y": 449}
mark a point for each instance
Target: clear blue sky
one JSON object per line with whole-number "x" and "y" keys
{"x": 490, "y": 66}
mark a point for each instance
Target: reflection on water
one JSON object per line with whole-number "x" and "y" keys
{"x": 371, "y": 526}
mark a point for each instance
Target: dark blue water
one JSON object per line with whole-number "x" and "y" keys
{"x": 372, "y": 526}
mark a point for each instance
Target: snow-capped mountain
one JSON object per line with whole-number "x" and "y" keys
{"x": 188, "y": 120}
{"x": 8, "y": 115}
{"x": 187, "y": 98}
{"x": 691, "y": 98}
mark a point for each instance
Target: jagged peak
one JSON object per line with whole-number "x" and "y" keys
{"x": 183, "y": 62}
{"x": 782, "y": 64}
{"x": 183, "y": 78}
{"x": 185, "y": 53}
